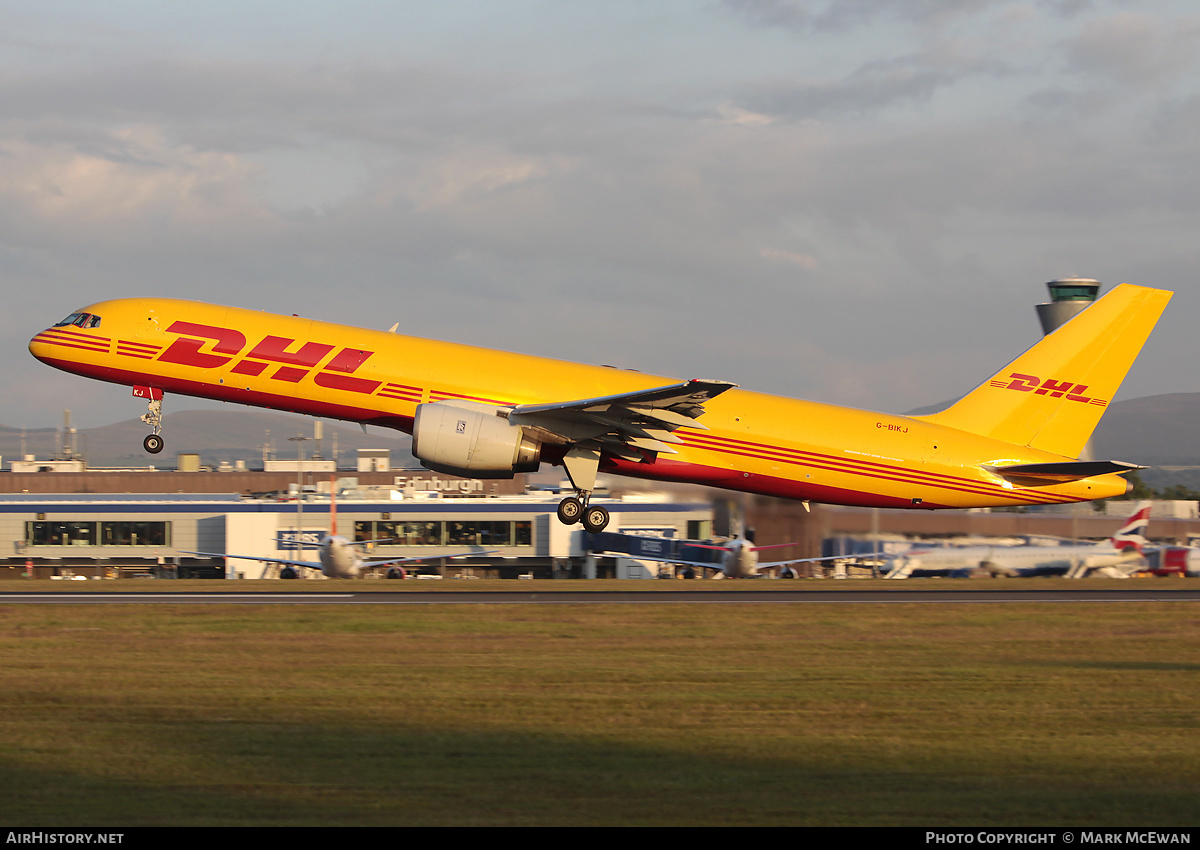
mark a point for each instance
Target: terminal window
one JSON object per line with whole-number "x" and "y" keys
{"x": 474, "y": 533}
{"x": 115, "y": 533}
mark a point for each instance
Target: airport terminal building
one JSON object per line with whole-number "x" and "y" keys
{"x": 412, "y": 514}
{"x": 106, "y": 523}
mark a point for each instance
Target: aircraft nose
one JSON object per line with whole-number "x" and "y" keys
{"x": 39, "y": 346}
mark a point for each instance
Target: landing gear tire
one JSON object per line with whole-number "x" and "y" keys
{"x": 153, "y": 444}
{"x": 570, "y": 510}
{"x": 595, "y": 519}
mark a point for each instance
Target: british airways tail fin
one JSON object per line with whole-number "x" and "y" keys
{"x": 1130, "y": 535}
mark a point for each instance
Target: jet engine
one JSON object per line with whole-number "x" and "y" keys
{"x": 472, "y": 439}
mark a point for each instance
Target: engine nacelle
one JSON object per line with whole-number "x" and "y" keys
{"x": 472, "y": 439}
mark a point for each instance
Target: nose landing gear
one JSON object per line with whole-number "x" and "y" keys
{"x": 153, "y": 417}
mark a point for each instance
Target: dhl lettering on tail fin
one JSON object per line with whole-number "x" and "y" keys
{"x": 1052, "y": 396}
{"x": 485, "y": 413}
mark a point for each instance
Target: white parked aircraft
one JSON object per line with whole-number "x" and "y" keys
{"x": 739, "y": 558}
{"x": 338, "y": 557}
{"x": 1119, "y": 558}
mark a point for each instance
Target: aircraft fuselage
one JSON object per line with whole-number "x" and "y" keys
{"x": 752, "y": 442}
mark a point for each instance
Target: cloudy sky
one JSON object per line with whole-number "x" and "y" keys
{"x": 855, "y": 201}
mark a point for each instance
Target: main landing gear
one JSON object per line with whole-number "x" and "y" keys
{"x": 575, "y": 509}
{"x": 581, "y": 465}
{"x": 153, "y": 417}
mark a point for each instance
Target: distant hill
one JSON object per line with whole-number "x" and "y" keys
{"x": 216, "y": 435}
{"x": 1159, "y": 430}
{"x": 1156, "y": 431}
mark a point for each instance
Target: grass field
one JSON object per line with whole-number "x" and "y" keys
{"x": 904, "y": 714}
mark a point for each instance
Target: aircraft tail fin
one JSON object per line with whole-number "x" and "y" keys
{"x": 1053, "y": 395}
{"x": 1130, "y": 535}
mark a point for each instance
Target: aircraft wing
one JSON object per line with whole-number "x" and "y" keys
{"x": 859, "y": 557}
{"x": 383, "y": 562}
{"x": 619, "y": 423}
{"x": 683, "y": 561}
{"x": 316, "y": 565}
{"x": 709, "y": 565}
{"x": 764, "y": 565}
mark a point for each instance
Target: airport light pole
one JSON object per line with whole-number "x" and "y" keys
{"x": 299, "y": 440}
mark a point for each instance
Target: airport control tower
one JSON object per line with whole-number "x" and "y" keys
{"x": 1068, "y": 297}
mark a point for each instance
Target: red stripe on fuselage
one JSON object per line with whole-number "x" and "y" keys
{"x": 76, "y": 335}
{"x": 227, "y": 392}
{"x": 103, "y": 349}
{"x": 767, "y": 485}
{"x": 853, "y": 466}
{"x": 439, "y": 395}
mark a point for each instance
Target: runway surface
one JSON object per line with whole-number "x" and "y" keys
{"x": 584, "y": 597}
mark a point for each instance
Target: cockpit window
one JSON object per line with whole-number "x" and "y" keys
{"x": 80, "y": 320}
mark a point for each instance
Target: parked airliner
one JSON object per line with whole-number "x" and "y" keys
{"x": 1119, "y": 558}
{"x": 338, "y": 557}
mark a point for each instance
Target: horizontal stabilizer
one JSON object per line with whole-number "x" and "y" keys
{"x": 1043, "y": 474}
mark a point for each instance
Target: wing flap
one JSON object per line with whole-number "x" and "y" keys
{"x": 621, "y": 424}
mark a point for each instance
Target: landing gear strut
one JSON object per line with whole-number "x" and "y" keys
{"x": 581, "y": 465}
{"x": 153, "y": 417}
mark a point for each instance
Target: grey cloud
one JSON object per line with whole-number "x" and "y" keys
{"x": 865, "y": 92}
{"x": 1134, "y": 49}
{"x": 807, "y": 255}
{"x": 843, "y": 15}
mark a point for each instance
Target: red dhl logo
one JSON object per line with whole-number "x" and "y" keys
{"x": 293, "y": 362}
{"x": 1050, "y": 386}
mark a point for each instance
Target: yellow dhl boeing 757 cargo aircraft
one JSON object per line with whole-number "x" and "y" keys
{"x": 472, "y": 411}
